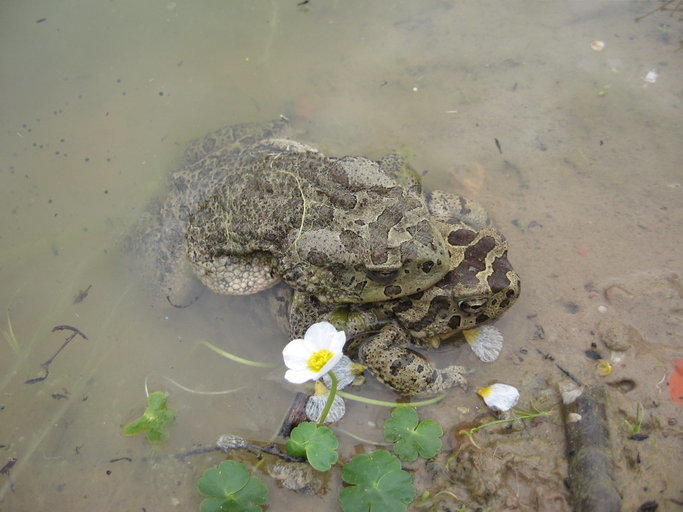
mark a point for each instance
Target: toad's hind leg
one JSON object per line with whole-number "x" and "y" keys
{"x": 214, "y": 260}
{"x": 238, "y": 275}
{"x": 403, "y": 370}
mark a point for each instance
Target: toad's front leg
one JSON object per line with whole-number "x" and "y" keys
{"x": 405, "y": 371}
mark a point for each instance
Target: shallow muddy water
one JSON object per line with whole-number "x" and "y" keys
{"x": 576, "y": 153}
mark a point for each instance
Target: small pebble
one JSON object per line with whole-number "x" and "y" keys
{"x": 597, "y": 46}
{"x": 592, "y": 354}
{"x": 617, "y": 336}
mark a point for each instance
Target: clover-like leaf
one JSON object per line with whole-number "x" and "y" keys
{"x": 411, "y": 438}
{"x": 231, "y": 488}
{"x": 318, "y": 444}
{"x": 156, "y": 419}
{"x": 377, "y": 483}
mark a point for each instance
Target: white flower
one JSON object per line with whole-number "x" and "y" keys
{"x": 486, "y": 342}
{"x": 346, "y": 372}
{"x": 315, "y": 355}
{"x": 316, "y": 404}
{"x": 499, "y": 397}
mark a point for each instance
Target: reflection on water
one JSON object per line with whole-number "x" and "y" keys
{"x": 576, "y": 155}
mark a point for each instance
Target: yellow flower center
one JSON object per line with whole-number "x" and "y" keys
{"x": 319, "y": 359}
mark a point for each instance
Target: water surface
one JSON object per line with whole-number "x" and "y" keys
{"x": 576, "y": 155}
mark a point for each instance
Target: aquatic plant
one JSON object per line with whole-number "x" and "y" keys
{"x": 314, "y": 357}
{"x": 636, "y": 427}
{"x": 518, "y": 415}
{"x": 317, "y": 403}
{"x": 231, "y": 488}
{"x": 317, "y": 443}
{"x": 412, "y": 437}
{"x": 376, "y": 482}
{"x": 155, "y": 421}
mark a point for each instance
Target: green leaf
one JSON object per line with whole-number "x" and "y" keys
{"x": 411, "y": 438}
{"x": 231, "y": 488}
{"x": 377, "y": 483}
{"x": 318, "y": 444}
{"x": 135, "y": 426}
{"x": 156, "y": 419}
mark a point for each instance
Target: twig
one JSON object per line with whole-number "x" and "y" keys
{"x": 231, "y": 442}
{"x": 591, "y": 467}
{"x": 566, "y": 372}
{"x": 46, "y": 365}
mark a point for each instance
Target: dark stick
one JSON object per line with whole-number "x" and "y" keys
{"x": 566, "y": 372}
{"x": 295, "y": 415}
{"x": 591, "y": 467}
{"x": 231, "y": 442}
{"x": 46, "y": 365}
{"x": 182, "y": 306}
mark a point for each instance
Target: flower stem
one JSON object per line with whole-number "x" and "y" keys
{"x": 330, "y": 399}
{"x": 385, "y": 403}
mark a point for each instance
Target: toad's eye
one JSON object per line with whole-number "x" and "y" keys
{"x": 473, "y": 305}
{"x": 382, "y": 276}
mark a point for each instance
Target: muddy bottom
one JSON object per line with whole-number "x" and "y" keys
{"x": 562, "y": 118}
{"x": 521, "y": 465}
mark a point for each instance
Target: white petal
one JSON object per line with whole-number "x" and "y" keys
{"x": 293, "y": 346}
{"x": 295, "y": 354}
{"x": 312, "y": 344}
{"x": 320, "y": 331}
{"x": 346, "y": 372}
{"x": 323, "y": 335}
{"x": 486, "y": 342}
{"x": 316, "y": 404}
{"x": 337, "y": 342}
{"x": 499, "y": 397}
{"x": 299, "y": 376}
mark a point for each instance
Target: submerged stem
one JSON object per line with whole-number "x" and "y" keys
{"x": 385, "y": 403}
{"x": 330, "y": 399}
{"x": 10, "y": 337}
{"x": 522, "y": 415}
{"x": 235, "y": 358}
